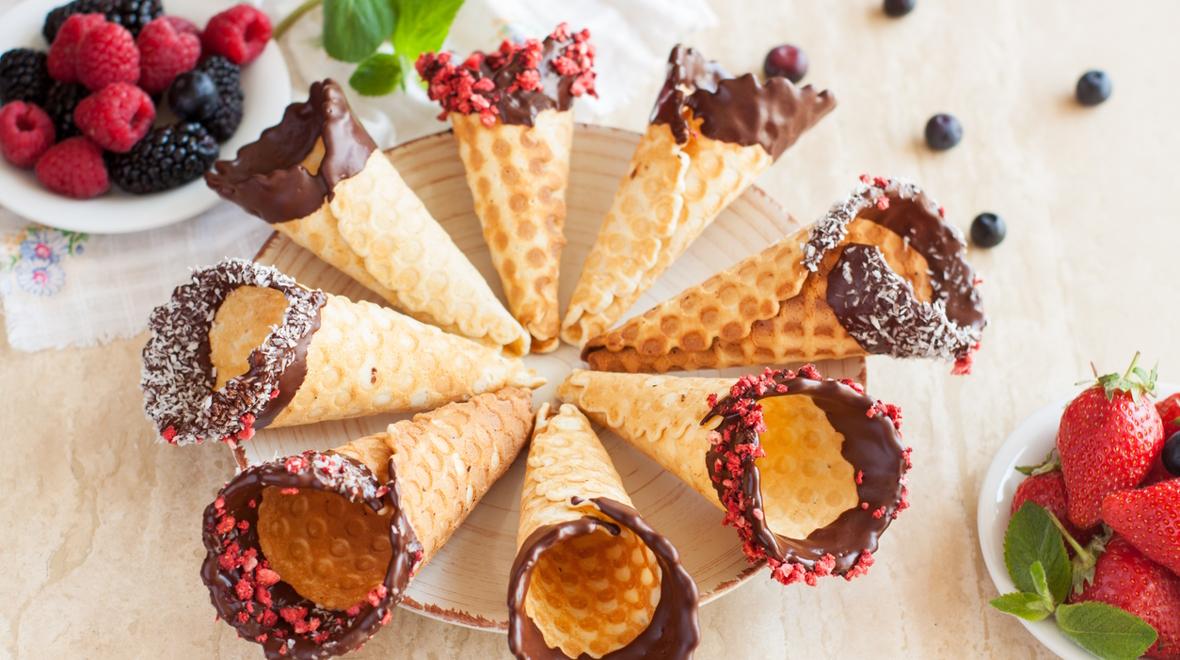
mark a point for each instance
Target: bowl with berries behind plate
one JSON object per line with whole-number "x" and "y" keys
{"x": 1028, "y": 445}
{"x": 265, "y": 92}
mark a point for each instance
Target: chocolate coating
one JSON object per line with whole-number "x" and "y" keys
{"x": 267, "y": 177}
{"x": 521, "y": 106}
{"x": 674, "y": 630}
{"x": 740, "y": 110}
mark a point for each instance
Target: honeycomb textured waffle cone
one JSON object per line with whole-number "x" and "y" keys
{"x": 671, "y": 194}
{"x": 518, "y": 176}
{"x": 766, "y": 309}
{"x": 405, "y": 250}
{"x": 367, "y": 359}
{"x": 594, "y": 593}
{"x": 659, "y": 415}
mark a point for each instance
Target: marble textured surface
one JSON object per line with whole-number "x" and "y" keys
{"x": 101, "y": 544}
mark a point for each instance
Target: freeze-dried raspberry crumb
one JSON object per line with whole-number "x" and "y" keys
{"x": 26, "y": 133}
{"x": 116, "y": 117}
{"x": 63, "y": 53}
{"x": 74, "y": 168}
{"x": 107, "y": 54}
{"x": 239, "y": 34}
{"x": 164, "y": 53}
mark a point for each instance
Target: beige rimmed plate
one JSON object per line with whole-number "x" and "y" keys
{"x": 467, "y": 583}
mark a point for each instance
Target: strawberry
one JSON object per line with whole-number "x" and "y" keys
{"x": 1048, "y": 490}
{"x": 1150, "y": 519}
{"x": 1126, "y": 579}
{"x": 1108, "y": 438}
{"x": 1169, "y": 410}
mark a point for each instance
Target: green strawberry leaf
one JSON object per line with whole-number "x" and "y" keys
{"x": 1107, "y": 632}
{"x": 1029, "y": 607}
{"x": 353, "y": 29}
{"x": 1135, "y": 381}
{"x": 1033, "y": 537}
{"x": 1051, "y": 463}
{"x": 422, "y": 25}
{"x": 377, "y": 75}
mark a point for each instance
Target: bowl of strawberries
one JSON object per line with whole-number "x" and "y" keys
{"x": 111, "y": 111}
{"x": 1079, "y": 520}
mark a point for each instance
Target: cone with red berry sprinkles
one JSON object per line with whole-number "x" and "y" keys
{"x": 881, "y": 273}
{"x": 511, "y": 110}
{"x": 591, "y": 577}
{"x": 243, "y": 346}
{"x": 809, "y": 471}
{"x": 308, "y": 555}
{"x": 319, "y": 178}
{"x": 709, "y": 137}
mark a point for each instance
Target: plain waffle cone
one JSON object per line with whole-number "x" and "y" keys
{"x": 659, "y": 415}
{"x": 671, "y": 194}
{"x": 766, "y": 309}
{"x": 518, "y": 177}
{"x": 406, "y": 251}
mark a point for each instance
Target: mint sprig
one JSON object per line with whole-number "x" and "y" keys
{"x": 1035, "y": 555}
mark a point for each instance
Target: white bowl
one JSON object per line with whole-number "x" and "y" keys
{"x": 267, "y": 89}
{"x": 1027, "y": 445}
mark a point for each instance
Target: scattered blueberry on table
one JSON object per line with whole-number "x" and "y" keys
{"x": 988, "y": 230}
{"x": 786, "y": 61}
{"x": 899, "y": 8}
{"x": 1093, "y": 88}
{"x": 943, "y": 131}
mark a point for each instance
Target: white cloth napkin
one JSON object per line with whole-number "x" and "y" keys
{"x": 64, "y": 289}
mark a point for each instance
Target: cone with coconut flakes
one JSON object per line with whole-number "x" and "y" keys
{"x": 318, "y": 177}
{"x": 243, "y": 346}
{"x": 709, "y": 137}
{"x": 590, "y": 577}
{"x": 881, "y": 273}
{"x": 512, "y": 119}
{"x": 328, "y": 542}
{"x": 808, "y": 470}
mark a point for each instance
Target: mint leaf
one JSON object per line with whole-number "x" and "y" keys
{"x": 353, "y": 29}
{"x": 422, "y": 25}
{"x": 1106, "y": 631}
{"x": 1032, "y": 537}
{"x": 1029, "y": 607}
{"x": 377, "y": 75}
{"x": 1041, "y": 582}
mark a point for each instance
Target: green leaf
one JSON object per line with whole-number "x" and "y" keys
{"x": 1106, "y": 631}
{"x": 1029, "y": 607}
{"x": 377, "y": 75}
{"x": 422, "y": 25}
{"x": 1051, "y": 463}
{"x": 353, "y": 29}
{"x": 1033, "y": 537}
{"x": 1041, "y": 582}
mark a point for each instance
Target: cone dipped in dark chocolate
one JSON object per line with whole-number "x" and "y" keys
{"x": 808, "y": 470}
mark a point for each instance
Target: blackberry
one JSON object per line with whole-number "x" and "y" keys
{"x": 227, "y": 76}
{"x": 55, "y": 18}
{"x": 134, "y": 14}
{"x": 60, "y": 101}
{"x": 23, "y": 76}
{"x": 166, "y": 158}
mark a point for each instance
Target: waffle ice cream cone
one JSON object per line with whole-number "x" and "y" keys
{"x": 775, "y": 307}
{"x": 518, "y": 175}
{"x": 328, "y": 542}
{"x": 590, "y": 577}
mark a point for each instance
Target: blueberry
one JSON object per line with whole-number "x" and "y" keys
{"x": 988, "y": 230}
{"x": 786, "y": 61}
{"x": 193, "y": 96}
{"x": 899, "y": 8}
{"x": 1093, "y": 87}
{"x": 1172, "y": 454}
{"x": 943, "y": 131}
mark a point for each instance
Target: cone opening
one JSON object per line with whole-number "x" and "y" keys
{"x": 281, "y": 536}
{"x": 601, "y": 584}
{"x": 183, "y": 394}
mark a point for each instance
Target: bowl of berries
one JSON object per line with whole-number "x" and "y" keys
{"x": 111, "y": 111}
{"x": 1079, "y": 520}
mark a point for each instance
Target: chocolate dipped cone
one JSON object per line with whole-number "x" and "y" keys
{"x": 319, "y": 179}
{"x": 709, "y": 137}
{"x": 881, "y": 273}
{"x": 308, "y": 555}
{"x": 243, "y": 346}
{"x": 512, "y": 118}
{"x": 591, "y": 578}
{"x": 809, "y": 471}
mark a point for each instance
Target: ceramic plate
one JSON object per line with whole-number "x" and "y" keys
{"x": 267, "y": 89}
{"x": 467, "y": 582}
{"x": 1028, "y": 445}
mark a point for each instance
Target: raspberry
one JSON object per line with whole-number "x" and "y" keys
{"x": 165, "y": 53}
{"x": 63, "y": 54}
{"x": 74, "y": 168}
{"x": 23, "y": 76}
{"x": 107, "y": 55}
{"x": 25, "y": 133}
{"x": 116, "y": 117}
{"x": 239, "y": 33}
{"x": 183, "y": 26}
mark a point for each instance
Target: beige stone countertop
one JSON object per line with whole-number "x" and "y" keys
{"x": 101, "y": 542}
